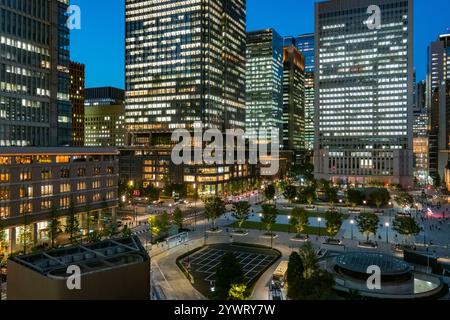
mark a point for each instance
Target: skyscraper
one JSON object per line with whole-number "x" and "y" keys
{"x": 364, "y": 100}
{"x": 438, "y": 96}
{"x": 264, "y": 83}
{"x": 77, "y": 80}
{"x": 185, "y": 63}
{"x": 305, "y": 44}
{"x": 421, "y": 129}
{"x": 104, "y": 117}
{"x": 35, "y": 108}
{"x": 294, "y": 101}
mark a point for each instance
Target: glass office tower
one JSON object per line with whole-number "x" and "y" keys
{"x": 35, "y": 108}
{"x": 364, "y": 101}
{"x": 264, "y": 83}
{"x": 185, "y": 63}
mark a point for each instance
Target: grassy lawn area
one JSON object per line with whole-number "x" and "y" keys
{"x": 311, "y": 214}
{"x": 285, "y": 228}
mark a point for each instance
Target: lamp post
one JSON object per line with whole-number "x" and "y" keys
{"x": 260, "y": 222}
{"x": 387, "y": 231}
{"x": 352, "y": 222}
{"x": 320, "y": 220}
{"x": 340, "y": 207}
{"x": 390, "y": 211}
{"x": 364, "y": 203}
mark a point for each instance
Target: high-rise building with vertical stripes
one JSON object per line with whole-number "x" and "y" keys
{"x": 364, "y": 91}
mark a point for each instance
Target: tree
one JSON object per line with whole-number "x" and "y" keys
{"x": 318, "y": 287}
{"x": 368, "y": 223}
{"x": 309, "y": 259}
{"x": 159, "y": 224}
{"x": 334, "y": 222}
{"x": 25, "y": 234}
{"x": 54, "y": 227}
{"x": 126, "y": 232}
{"x": 269, "y": 192}
{"x": 310, "y": 194}
{"x": 437, "y": 181}
{"x": 3, "y": 242}
{"x": 214, "y": 208}
{"x": 178, "y": 218}
{"x": 355, "y": 197}
{"x": 241, "y": 212}
{"x": 294, "y": 275}
{"x": 299, "y": 219}
{"x": 331, "y": 194}
{"x": 379, "y": 197}
{"x": 238, "y": 292}
{"x": 228, "y": 272}
{"x": 111, "y": 230}
{"x": 404, "y": 199}
{"x": 73, "y": 225}
{"x": 406, "y": 226}
{"x": 269, "y": 217}
{"x": 290, "y": 192}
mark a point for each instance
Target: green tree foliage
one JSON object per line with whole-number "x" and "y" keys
{"x": 333, "y": 221}
{"x": 309, "y": 259}
{"x": 159, "y": 225}
{"x": 238, "y": 292}
{"x": 294, "y": 275}
{"x": 355, "y": 197}
{"x": 3, "y": 242}
{"x": 269, "y": 192}
{"x": 299, "y": 220}
{"x": 228, "y": 272}
{"x": 368, "y": 223}
{"x": 241, "y": 212}
{"x": 126, "y": 232}
{"x": 290, "y": 192}
{"x": 54, "y": 227}
{"x": 404, "y": 199}
{"x": 73, "y": 226}
{"x": 178, "y": 218}
{"x": 214, "y": 208}
{"x": 379, "y": 197}
{"x": 406, "y": 226}
{"x": 269, "y": 216}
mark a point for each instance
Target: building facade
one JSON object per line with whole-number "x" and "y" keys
{"x": 77, "y": 82}
{"x": 264, "y": 83}
{"x": 185, "y": 69}
{"x": 438, "y": 91}
{"x": 364, "y": 101}
{"x": 305, "y": 44}
{"x": 105, "y": 117}
{"x": 35, "y": 108}
{"x": 36, "y": 181}
{"x": 294, "y": 102}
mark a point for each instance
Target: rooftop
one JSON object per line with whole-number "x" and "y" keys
{"x": 90, "y": 258}
{"x": 359, "y": 262}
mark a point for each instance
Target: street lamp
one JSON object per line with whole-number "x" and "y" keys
{"x": 352, "y": 222}
{"x": 260, "y": 222}
{"x": 364, "y": 203}
{"x": 320, "y": 220}
{"x": 340, "y": 208}
{"x": 387, "y": 231}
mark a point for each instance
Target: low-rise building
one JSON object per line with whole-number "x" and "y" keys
{"x": 36, "y": 182}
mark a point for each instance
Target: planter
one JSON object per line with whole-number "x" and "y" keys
{"x": 300, "y": 238}
{"x": 214, "y": 231}
{"x": 239, "y": 233}
{"x": 267, "y": 236}
{"x": 332, "y": 241}
{"x": 354, "y": 210}
{"x": 310, "y": 208}
{"x": 368, "y": 245}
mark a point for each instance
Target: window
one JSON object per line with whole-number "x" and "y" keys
{"x": 110, "y": 170}
{"x": 62, "y": 159}
{"x": 81, "y": 199}
{"x": 110, "y": 183}
{"x": 26, "y": 192}
{"x": 46, "y": 174}
{"x": 96, "y": 197}
{"x": 65, "y": 187}
{"x": 47, "y": 190}
{"x": 46, "y": 204}
{"x": 96, "y": 184}
{"x": 44, "y": 159}
{"x": 4, "y": 212}
{"x": 4, "y": 193}
{"x": 26, "y": 207}
{"x": 4, "y": 176}
{"x": 65, "y": 173}
{"x": 5, "y": 160}
{"x": 64, "y": 203}
{"x": 81, "y": 185}
{"x": 81, "y": 172}
{"x": 110, "y": 195}
{"x": 24, "y": 160}
{"x": 25, "y": 175}
{"x": 96, "y": 171}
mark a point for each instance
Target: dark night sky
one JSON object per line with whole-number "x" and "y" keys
{"x": 100, "y": 42}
